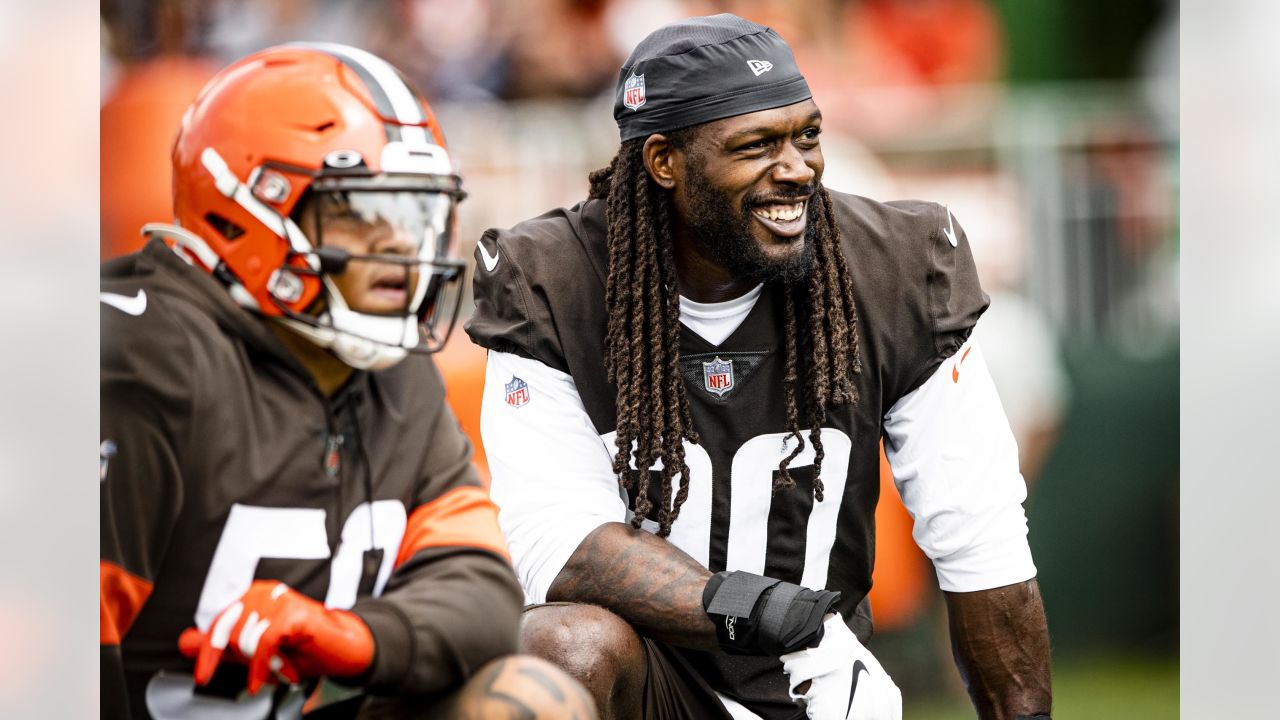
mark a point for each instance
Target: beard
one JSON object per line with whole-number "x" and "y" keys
{"x": 725, "y": 231}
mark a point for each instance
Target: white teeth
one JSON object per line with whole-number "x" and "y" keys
{"x": 786, "y": 213}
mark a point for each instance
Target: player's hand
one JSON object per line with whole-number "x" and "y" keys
{"x": 274, "y": 629}
{"x": 831, "y": 667}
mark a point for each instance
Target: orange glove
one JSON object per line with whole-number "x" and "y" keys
{"x": 273, "y": 628}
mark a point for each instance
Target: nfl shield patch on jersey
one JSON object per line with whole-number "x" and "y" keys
{"x": 717, "y": 376}
{"x": 517, "y": 392}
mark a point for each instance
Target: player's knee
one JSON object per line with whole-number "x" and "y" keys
{"x": 588, "y": 642}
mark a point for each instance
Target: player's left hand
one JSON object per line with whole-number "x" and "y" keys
{"x": 275, "y": 629}
{"x": 831, "y": 667}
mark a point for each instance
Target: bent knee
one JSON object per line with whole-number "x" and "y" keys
{"x": 585, "y": 640}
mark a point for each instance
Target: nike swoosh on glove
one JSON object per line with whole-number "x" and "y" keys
{"x": 275, "y": 629}
{"x": 831, "y": 666}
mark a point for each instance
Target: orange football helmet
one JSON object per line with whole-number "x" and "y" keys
{"x": 335, "y": 128}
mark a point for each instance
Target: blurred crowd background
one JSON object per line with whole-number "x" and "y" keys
{"x": 1050, "y": 129}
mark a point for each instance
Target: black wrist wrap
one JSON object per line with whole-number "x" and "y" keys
{"x": 756, "y": 615}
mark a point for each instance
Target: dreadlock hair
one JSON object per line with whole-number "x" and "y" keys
{"x": 642, "y": 343}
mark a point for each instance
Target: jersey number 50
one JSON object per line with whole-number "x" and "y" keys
{"x": 253, "y": 533}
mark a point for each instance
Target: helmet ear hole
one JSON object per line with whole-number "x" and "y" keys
{"x": 225, "y": 227}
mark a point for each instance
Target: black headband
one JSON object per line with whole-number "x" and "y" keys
{"x": 703, "y": 69}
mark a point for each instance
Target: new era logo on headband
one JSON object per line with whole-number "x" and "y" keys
{"x": 759, "y": 67}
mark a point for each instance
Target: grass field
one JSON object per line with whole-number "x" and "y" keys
{"x": 1089, "y": 689}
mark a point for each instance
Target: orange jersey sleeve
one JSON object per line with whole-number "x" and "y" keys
{"x": 464, "y": 516}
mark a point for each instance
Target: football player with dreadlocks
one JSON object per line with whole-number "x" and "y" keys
{"x": 689, "y": 377}
{"x": 286, "y": 497}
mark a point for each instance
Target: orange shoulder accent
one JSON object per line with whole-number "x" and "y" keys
{"x": 122, "y": 595}
{"x": 462, "y": 517}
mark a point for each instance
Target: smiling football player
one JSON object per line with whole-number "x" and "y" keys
{"x": 711, "y": 349}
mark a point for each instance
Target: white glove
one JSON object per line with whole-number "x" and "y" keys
{"x": 831, "y": 667}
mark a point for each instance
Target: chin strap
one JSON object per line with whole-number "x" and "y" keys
{"x": 359, "y": 352}
{"x": 365, "y": 342}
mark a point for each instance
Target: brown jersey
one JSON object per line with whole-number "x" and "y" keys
{"x": 917, "y": 298}
{"x": 223, "y": 463}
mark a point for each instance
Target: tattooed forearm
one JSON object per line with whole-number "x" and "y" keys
{"x": 523, "y": 688}
{"x": 643, "y": 579}
{"x": 1001, "y": 645}
{"x": 492, "y": 696}
{"x": 518, "y": 688}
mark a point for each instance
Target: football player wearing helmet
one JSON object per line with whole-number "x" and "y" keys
{"x": 689, "y": 377}
{"x": 286, "y": 498}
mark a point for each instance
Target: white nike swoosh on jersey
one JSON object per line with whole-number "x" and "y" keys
{"x": 950, "y": 231}
{"x": 135, "y": 305}
{"x": 490, "y": 261}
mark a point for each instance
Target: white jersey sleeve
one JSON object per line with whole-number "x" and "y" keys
{"x": 955, "y": 463}
{"x": 552, "y": 474}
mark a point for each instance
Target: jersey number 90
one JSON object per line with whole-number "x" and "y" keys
{"x": 751, "y": 478}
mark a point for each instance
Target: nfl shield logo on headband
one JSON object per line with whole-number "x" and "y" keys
{"x": 633, "y": 92}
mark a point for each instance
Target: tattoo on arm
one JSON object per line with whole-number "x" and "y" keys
{"x": 643, "y": 579}
{"x": 1000, "y": 640}
{"x": 519, "y": 689}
